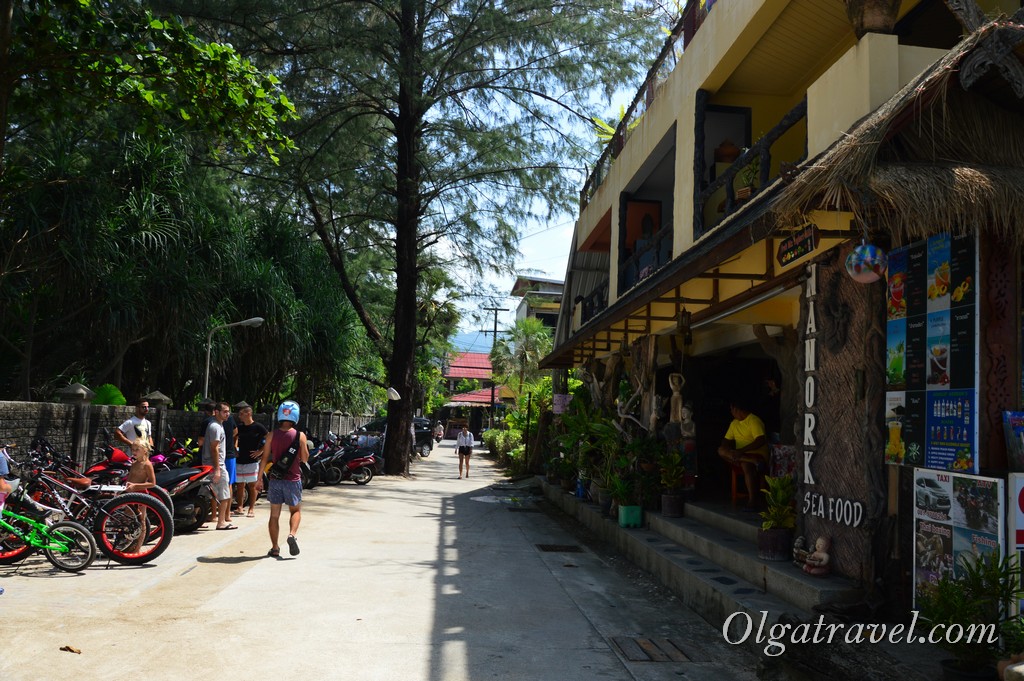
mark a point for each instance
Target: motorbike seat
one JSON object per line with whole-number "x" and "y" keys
{"x": 167, "y": 479}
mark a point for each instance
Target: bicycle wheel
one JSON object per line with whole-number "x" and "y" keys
{"x": 133, "y": 528}
{"x": 12, "y": 547}
{"x": 76, "y": 547}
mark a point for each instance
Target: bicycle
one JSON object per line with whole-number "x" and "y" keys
{"x": 66, "y": 544}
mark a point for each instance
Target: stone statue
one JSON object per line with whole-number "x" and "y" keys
{"x": 817, "y": 562}
{"x": 686, "y": 424}
{"x": 800, "y": 552}
{"x": 676, "y": 404}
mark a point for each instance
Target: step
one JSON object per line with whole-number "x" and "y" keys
{"x": 707, "y": 588}
{"x": 738, "y": 555}
{"x": 726, "y": 517}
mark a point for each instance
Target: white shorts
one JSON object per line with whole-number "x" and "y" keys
{"x": 247, "y": 472}
{"x": 221, "y": 489}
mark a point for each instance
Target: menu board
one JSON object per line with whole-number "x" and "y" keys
{"x": 932, "y": 355}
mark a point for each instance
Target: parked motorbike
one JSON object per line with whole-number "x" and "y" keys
{"x": 353, "y": 463}
{"x": 190, "y": 494}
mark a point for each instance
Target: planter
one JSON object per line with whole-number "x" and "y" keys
{"x": 568, "y": 485}
{"x": 672, "y": 505}
{"x": 775, "y": 544}
{"x": 872, "y": 16}
{"x": 630, "y": 516}
{"x": 951, "y": 672}
{"x": 581, "y": 489}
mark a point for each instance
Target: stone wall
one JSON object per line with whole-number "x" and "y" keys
{"x": 83, "y": 430}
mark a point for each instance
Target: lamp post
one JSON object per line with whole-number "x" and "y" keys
{"x": 254, "y": 321}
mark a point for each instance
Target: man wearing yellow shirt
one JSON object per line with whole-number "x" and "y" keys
{"x": 746, "y": 445}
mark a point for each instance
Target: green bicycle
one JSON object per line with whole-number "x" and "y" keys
{"x": 66, "y": 544}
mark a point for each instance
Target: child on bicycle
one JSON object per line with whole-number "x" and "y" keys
{"x": 141, "y": 477}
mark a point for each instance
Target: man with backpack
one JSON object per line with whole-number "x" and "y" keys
{"x": 286, "y": 450}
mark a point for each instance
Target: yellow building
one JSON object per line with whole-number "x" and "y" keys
{"x": 771, "y": 138}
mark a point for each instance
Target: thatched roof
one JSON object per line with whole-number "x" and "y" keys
{"x": 933, "y": 158}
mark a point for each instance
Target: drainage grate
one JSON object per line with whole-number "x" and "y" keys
{"x": 523, "y": 509}
{"x": 649, "y": 649}
{"x": 560, "y": 548}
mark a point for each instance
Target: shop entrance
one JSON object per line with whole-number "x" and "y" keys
{"x": 711, "y": 381}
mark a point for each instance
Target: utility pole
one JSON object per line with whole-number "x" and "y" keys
{"x": 495, "y": 310}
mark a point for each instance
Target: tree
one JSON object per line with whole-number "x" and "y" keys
{"x": 517, "y": 353}
{"x": 431, "y": 128}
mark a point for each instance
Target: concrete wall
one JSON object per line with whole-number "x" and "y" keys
{"x": 79, "y": 430}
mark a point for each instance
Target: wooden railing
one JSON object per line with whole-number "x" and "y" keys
{"x": 595, "y": 302}
{"x": 761, "y": 150}
{"x": 681, "y": 35}
{"x": 649, "y": 255}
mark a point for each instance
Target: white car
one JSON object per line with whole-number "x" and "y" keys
{"x": 931, "y": 496}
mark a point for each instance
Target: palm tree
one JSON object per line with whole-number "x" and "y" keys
{"x": 519, "y": 351}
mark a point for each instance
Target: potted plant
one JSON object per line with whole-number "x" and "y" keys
{"x": 623, "y": 494}
{"x": 984, "y": 594}
{"x": 673, "y": 484}
{"x": 747, "y": 177}
{"x": 775, "y": 537}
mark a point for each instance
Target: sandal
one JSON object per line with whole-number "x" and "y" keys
{"x": 250, "y": 514}
{"x": 229, "y": 526}
{"x": 293, "y": 546}
{"x": 274, "y": 553}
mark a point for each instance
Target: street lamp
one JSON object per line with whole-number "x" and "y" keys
{"x": 255, "y": 321}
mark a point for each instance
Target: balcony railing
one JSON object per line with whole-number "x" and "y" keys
{"x": 761, "y": 151}
{"x": 595, "y": 302}
{"x": 681, "y": 35}
{"x": 649, "y": 255}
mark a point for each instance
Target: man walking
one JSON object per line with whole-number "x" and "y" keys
{"x": 286, "y": 448}
{"x": 464, "y": 443}
{"x": 251, "y": 436}
{"x": 136, "y": 426}
{"x": 214, "y": 451}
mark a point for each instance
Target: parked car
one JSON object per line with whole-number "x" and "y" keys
{"x": 930, "y": 496}
{"x": 424, "y": 440}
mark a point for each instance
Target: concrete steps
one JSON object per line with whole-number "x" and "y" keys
{"x": 709, "y": 559}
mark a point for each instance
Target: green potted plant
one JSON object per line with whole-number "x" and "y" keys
{"x": 983, "y": 594}
{"x": 622, "y": 490}
{"x": 673, "y": 483}
{"x": 775, "y": 537}
{"x": 747, "y": 177}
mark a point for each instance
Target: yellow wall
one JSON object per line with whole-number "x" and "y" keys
{"x": 861, "y": 81}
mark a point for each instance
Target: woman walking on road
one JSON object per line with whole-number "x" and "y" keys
{"x": 464, "y": 443}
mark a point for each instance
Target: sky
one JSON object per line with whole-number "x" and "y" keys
{"x": 544, "y": 252}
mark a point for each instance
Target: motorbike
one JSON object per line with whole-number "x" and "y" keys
{"x": 357, "y": 464}
{"x": 190, "y": 494}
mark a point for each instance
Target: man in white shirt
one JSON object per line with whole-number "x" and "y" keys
{"x": 464, "y": 445}
{"x": 137, "y": 426}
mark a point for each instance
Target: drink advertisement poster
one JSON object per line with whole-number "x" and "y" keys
{"x": 958, "y": 520}
{"x": 931, "y": 362}
{"x": 1015, "y": 483}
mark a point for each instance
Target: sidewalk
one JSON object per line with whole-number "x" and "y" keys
{"x": 429, "y": 578}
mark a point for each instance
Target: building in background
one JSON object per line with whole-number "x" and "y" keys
{"x": 541, "y": 298}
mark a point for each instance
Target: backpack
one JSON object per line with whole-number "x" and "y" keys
{"x": 281, "y": 467}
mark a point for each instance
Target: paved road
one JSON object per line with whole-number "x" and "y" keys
{"x": 429, "y": 578}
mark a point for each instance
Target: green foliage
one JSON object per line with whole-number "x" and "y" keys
{"x": 778, "y": 497}
{"x": 985, "y": 594}
{"x": 467, "y": 385}
{"x": 506, "y": 446}
{"x": 109, "y": 393}
{"x": 672, "y": 471}
{"x": 516, "y": 354}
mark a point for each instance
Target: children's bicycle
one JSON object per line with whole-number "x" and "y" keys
{"x": 66, "y": 544}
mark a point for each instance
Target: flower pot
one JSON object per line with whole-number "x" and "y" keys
{"x": 630, "y": 516}
{"x": 952, "y": 672}
{"x": 775, "y": 544}
{"x": 672, "y": 505}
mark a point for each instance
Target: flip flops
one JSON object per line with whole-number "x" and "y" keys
{"x": 274, "y": 553}
{"x": 229, "y": 526}
{"x": 293, "y": 546}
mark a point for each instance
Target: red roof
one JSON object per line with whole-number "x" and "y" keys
{"x": 480, "y": 398}
{"x": 468, "y": 365}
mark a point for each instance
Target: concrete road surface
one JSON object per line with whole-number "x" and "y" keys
{"x": 429, "y": 578}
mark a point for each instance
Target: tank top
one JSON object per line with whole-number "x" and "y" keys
{"x": 281, "y": 443}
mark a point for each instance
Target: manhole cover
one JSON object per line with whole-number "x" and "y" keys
{"x": 560, "y": 548}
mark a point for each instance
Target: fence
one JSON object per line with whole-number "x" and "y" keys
{"x": 79, "y": 429}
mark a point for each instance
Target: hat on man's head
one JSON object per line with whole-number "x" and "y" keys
{"x": 241, "y": 405}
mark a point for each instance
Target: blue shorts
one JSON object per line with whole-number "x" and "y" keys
{"x": 230, "y": 465}
{"x": 285, "y": 492}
